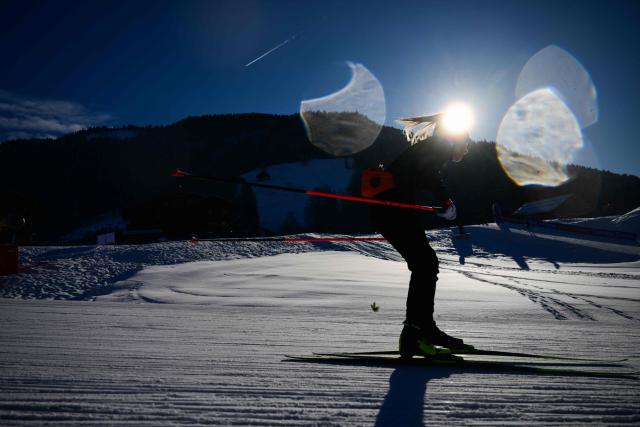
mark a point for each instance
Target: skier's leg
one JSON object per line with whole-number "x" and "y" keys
{"x": 405, "y": 233}
{"x": 423, "y": 264}
{"x": 420, "y": 302}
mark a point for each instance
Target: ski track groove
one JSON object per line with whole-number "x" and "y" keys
{"x": 597, "y": 305}
{"x": 123, "y": 376}
{"x": 545, "y": 299}
{"x": 547, "y": 303}
{"x": 71, "y": 363}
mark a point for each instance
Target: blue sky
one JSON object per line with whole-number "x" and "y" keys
{"x": 68, "y": 65}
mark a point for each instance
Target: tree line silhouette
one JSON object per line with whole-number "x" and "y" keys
{"x": 57, "y": 185}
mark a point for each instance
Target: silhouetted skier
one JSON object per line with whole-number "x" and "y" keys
{"x": 414, "y": 171}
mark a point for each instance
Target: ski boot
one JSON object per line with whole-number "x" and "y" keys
{"x": 428, "y": 341}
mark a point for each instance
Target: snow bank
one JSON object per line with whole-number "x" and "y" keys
{"x": 196, "y": 334}
{"x": 629, "y": 222}
{"x": 83, "y": 272}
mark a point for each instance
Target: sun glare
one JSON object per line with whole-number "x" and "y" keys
{"x": 458, "y": 118}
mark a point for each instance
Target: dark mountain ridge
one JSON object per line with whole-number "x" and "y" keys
{"x": 58, "y": 184}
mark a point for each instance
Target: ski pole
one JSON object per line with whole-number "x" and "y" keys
{"x": 178, "y": 173}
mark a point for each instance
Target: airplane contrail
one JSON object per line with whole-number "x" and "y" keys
{"x": 271, "y": 50}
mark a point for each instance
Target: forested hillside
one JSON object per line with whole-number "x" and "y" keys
{"x": 58, "y": 185}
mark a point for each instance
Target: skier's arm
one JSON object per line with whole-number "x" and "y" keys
{"x": 432, "y": 159}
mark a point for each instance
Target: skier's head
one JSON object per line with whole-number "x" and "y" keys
{"x": 459, "y": 141}
{"x": 451, "y": 126}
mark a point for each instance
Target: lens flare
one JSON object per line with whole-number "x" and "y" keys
{"x": 349, "y": 120}
{"x": 556, "y": 68}
{"x": 457, "y": 119}
{"x": 537, "y": 138}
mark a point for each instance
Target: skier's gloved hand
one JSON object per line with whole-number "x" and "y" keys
{"x": 448, "y": 211}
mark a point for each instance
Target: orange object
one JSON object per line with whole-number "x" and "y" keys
{"x": 375, "y": 181}
{"x": 8, "y": 259}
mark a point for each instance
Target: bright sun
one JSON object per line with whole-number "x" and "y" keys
{"x": 458, "y": 118}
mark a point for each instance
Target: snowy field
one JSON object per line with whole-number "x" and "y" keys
{"x": 195, "y": 334}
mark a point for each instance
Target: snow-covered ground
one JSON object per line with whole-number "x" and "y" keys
{"x": 195, "y": 334}
{"x": 276, "y": 208}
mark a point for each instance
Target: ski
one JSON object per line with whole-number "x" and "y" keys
{"x": 520, "y": 360}
{"x": 455, "y": 362}
{"x": 481, "y": 352}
